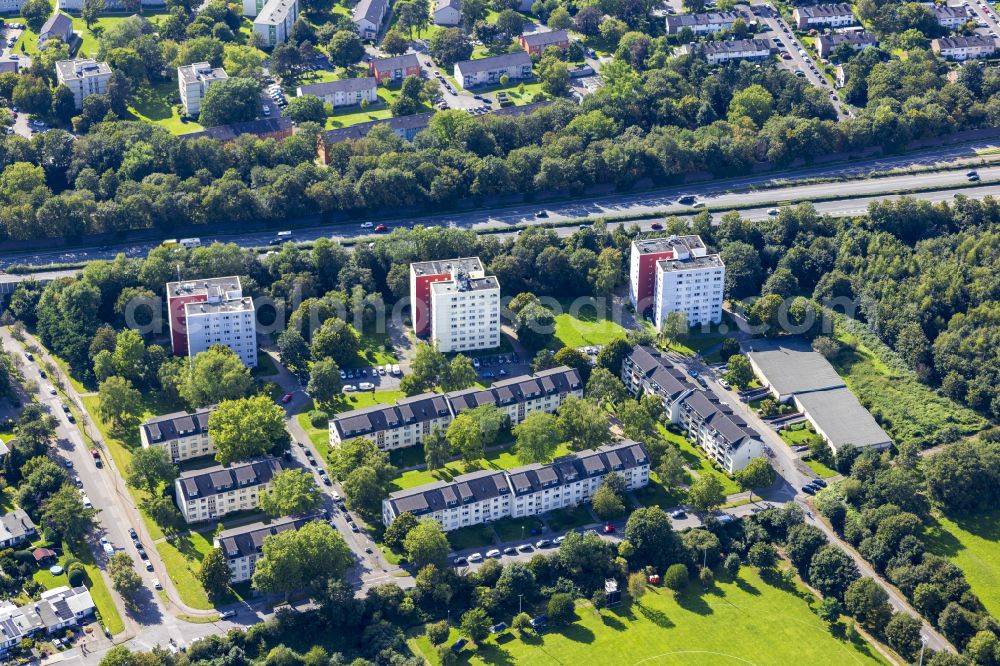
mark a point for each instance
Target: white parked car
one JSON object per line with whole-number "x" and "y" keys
{"x": 367, "y": 225}
{"x": 349, "y": 388}
{"x": 396, "y": 370}
{"x": 476, "y": 557}
{"x": 366, "y": 386}
{"x": 493, "y": 552}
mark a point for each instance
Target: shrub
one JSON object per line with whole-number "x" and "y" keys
{"x": 319, "y": 419}
{"x": 676, "y": 577}
{"x": 76, "y": 574}
{"x": 437, "y": 632}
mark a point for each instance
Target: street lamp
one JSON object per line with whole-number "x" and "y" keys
{"x": 519, "y": 603}
{"x": 923, "y": 644}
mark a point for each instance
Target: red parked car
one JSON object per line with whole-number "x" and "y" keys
{"x": 609, "y": 529}
{"x": 287, "y": 399}
{"x": 381, "y": 229}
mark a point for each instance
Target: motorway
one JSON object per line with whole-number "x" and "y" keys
{"x": 715, "y": 195}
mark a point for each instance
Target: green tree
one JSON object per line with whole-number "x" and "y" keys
{"x": 676, "y": 578}
{"x": 476, "y": 625}
{"x": 124, "y": 577}
{"x": 245, "y": 428}
{"x": 324, "y": 381}
{"x": 829, "y": 610}
{"x": 437, "y": 450}
{"x": 605, "y": 388}
{"x": 707, "y": 493}
{"x": 306, "y": 109}
{"x": 293, "y": 350}
{"x": 214, "y": 573}
{"x": 35, "y": 13}
{"x": 460, "y": 375}
{"x": 338, "y": 340}
{"x": 449, "y": 46}
{"x": 466, "y": 438}
{"x": 607, "y": 504}
{"x": 554, "y": 75}
{"x": 753, "y": 102}
{"x": 64, "y": 513}
{"x": 231, "y": 100}
{"x": 120, "y": 403}
{"x": 299, "y": 559}
{"x": 671, "y": 470}
{"x": 902, "y": 632}
{"x": 757, "y": 474}
{"x": 395, "y": 534}
{"x": 293, "y": 492}
{"x": 214, "y": 375}
{"x": 394, "y": 43}
{"x": 149, "y": 468}
{"x": 559, "y": 19}
{"x": 739, "y": 372}
{"x": 869, "y": 603}
{"x": 538, "y": 437}
{"x": 363, "y": 490}
{"x": 345, "y": 48}
{"x": 427, "y": 544}
{"x": 612, "y": 354}
{"x": 763, "y": 555}
{"x": 653, "y": 540}
{"x": 832, "y": 571}
{"x": 164, "y": 513}
{"x": 583, "y": 423}
{"x": 561, "y": 609}
{"x": 63, "y": 103}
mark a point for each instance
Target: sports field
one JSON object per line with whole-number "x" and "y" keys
{"x": 749, "y": 623}
{"x": 973, "y": 544}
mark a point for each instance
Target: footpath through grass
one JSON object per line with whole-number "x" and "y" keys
{"x": 973, "y": 543}
{"x": 749, "y": 621}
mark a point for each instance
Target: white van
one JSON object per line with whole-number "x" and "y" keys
{"x": 87, "y": 504}
{"x": 395, "y": 370}
{"x": 190, "y": 243}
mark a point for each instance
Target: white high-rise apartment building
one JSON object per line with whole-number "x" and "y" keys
{"x": 194, "y": 81}
{"x": 212, "y": 312}
{"x": 676, "y": 274}
{"x": 465, "y": 313}
{"x": 83, "y": 78}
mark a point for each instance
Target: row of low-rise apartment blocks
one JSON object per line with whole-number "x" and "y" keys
{"x": 711, "y": 424}
{"x": 243, "y": 546}
{"x": 210, "y": 312}
{"x": 184, "y": 435}
{"x": 193, "y": 81}
{"x": 455, "y": 303}
{"x": 720, "y": 52}
{"x": 213, "y": 492}
{"x": 676, "y": 274}
{"x": 410, "y": 420}
{"x": 58, "y": 609}
{"x": 971, "y": 47}
{"x": 488, "y": 495}
{"x": 488, "y": 71}
{"x": 345, "y": 92}
{"x": 706, "y": 23}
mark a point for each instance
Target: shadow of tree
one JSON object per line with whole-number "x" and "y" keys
{"x": 656, "y": 616}
{"x": 612, "y": 622}
{"x": 692, "y": 601}
{"x": 578, "y": 633}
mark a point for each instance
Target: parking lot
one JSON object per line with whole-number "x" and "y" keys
{"x": 500, "y": 366}
{"x": 984, "y": 16}
{"x": 791, "y": 53}
{"x": 379, "y": 378}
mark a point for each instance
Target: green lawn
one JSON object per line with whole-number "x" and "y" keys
{"x": 90, "y": 44}
{"x": 798, "y": 435}
{"x": 583, "y": 323}
{"x": 906, "y": 408}
{"x": 821, "y": 469}
{"x": 98, "y": 589}
{"x": 513, "y": 529}
{"x": 500, "y": 458}
{"x": 568, "y": 519}
{"x": 655, "y": 494}
{"x": 973, "y": 543}
{"x": 376, "y": 349}
{"x": 182, "y": 557}
{"x": 157, "y": 105}
{"x": 74, "y": 382}
{"x": 748, "y": 622}
{"x": 352, "y": 115}
{"x": 475, "y": 536}
{"x": 696, "y": 461}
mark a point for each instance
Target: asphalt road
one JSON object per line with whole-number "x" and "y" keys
{"x": 714, "y": 194}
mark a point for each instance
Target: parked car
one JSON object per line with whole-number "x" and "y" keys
{"x": 493, "y": 552}
{"x": 225, "y": 615}
{"x": 609, "y": 529}
{"x": 656, "y": 225}
{"x": 509, "y": 550}
{"x": 543, "y": 543}
{"x": 525, "y": 548}
{"x": 809, "y": 489}
{"x": 476, "y": 557}
{"x": 678, "y": 514}
{"x": 156, "y": 584}
{"x": 287, "y": 398}
{"x": 381, "y": 229}
{"x": 819, "y": 482}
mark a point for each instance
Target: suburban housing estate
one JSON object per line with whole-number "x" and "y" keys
{"x": 184, "y": 435}
{"x": 213, "y": 492}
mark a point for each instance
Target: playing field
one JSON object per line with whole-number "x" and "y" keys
{"x": 749, "y": 623}
{"x": 973, "y": 544}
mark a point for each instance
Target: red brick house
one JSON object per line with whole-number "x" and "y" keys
{"x": 535, "y": 43}
{"x": 395, "y": 69}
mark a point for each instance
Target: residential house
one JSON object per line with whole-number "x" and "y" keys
{"x": 737, "y": 49}
{"x": 345, "y": 92}
{"x": 676, "y": 274}
{"x": 276, "y": 127}
{"x": 184, "y": 435}
{"x": 193, "y": 81}
{"x": 448, "y": 12}
{"x": 56, "y": 610}
{"x": 836, "y": 15}
{"x": 16, "y": 528}
{"x": 535, "y": 43}
{"x": 213, "y": 492}
{"x": 59, "y": 26}
{"x": 488, "y": 495}
{"x": 948, "y": 16}
{"x": 394, "y": 69}
{"x": 243, "y": 546}
{"x": 517, "y": 397}
{"x": 964, "y": 48}
{"x": 488, "y": 71}
{"x": 83, "y": 78}
{"x": 368, "y": 16}
{"x": 210, "y": 312}
{"x": 857, "y": 40}
{"x": 705, "y": 23}
{"x": 275, "y": 20}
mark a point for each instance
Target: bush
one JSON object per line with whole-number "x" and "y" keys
{"x": 319, "y": 419}
{"x": 76, "y": 574}
{"x": 437, "y": 632}
{"x": 676, "y": 577}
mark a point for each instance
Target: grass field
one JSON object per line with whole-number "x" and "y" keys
{"x": 352, "y": 115}
{"x": 569, "y": 518}
{"x": 182, "y": 557}
{"x": 655, "y": 494}
{"x": 584, "y": 322}
{"x": 476, "y": 536}
{"x": 156, "y": 105}
{"x": 747, "y": 622}
{"x": 798, "y": 435}
{"x": 376, "y": 349}
{"x": 907, "y": 409}
{"x": 89, "y": 45}
{"x": 501, "y": 458}
{"x": 821, "y": 469}
{"x": 973, "y": 543}
{"x": 512, "y": 529}
{"x": 98, "y": 589}
{"x": 697, "y": 462}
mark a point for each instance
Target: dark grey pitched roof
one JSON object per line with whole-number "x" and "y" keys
{"x": 215, "y": 480}
{"x": 404, "y": 61}
{"x": 249, "y": 539}
{"x": 464, "y": 489}
{"x": 415, "y": 409}
{"x": 58, "y": 23}
{"x": 733, "y": 429}
{"x": 948, "y": 11}
{"x": 663, "y": 376}
{"x": 676, "y": 22}
{"x": 343, "y": 85}
{"x": 825, "y": 11}
{"x": 545, "y": 37}
{"x": 974, "y": 41}
{"x": 174, "y": 426}
{"x": 372, "y": 10}
{"x": 16, "y": 525}
{"x": 518, "y": 59}
{"x": 854, "y": 38}
{"x": 414, "y": 123}
{"x": 259, "y": 127}
{"x": 736, "y": 45}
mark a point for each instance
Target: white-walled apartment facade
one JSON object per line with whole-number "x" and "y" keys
{"x": 183, "y": 435}
{"x": 676, "y": 274}
{"x": 487, "y": 495}
{"x": 465, "y": 314}
{"x": 213, "y": 492}
{"x": 274, "y": 20}
{"x": 243, "y": 546}
{"x": 84, "y": 78}
{"x": 212, "y": 312}
{"x": 193, "y": 81}
{"x": 410, "y": 420}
